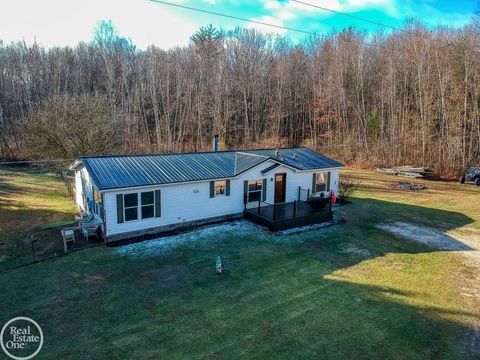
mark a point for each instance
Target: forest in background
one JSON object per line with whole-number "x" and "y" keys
{"x": 406, "y": 97}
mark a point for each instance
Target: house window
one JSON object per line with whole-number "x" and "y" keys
{"x": 321, "y": 182}
{"x": 220, "y": 187}
{"x": 255, "y": 188}
{"x": 130, "y": 204}
{"x": 148, "y": 204}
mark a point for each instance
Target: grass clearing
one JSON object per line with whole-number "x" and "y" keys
{"x": 29, "y": 199}
{"x": 347, "y": 291}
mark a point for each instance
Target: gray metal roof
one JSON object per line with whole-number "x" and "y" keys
{"x": 111, "y": 172}
{"x": 271, "y": 167}
{"x": 245, "y": 161}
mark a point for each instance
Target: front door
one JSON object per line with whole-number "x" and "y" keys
{"x": 280, "y": 186}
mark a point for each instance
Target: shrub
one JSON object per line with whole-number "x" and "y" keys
{"x": 347, "y": 186}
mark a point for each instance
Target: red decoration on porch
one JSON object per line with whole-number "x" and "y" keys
{"x": 333, "y": 197}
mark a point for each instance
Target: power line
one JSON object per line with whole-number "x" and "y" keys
{"x": 415, "y": 33}
{"x": 251, "y": 20}
{"x": 235, "y": 17}
{"x": 345, "y": 14}
{"x": 360, "y": 18}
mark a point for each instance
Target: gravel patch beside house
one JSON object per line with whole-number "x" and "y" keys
{"x": 210, "y": 234}
{"x": 201, "y": 236}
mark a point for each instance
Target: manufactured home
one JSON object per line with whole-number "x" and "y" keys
{"x": 137, "y": 195}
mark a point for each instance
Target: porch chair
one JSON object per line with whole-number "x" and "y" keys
{"x": 91, "y": 229}
{"x": 85, "y": 220}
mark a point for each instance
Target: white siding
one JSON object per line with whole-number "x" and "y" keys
{"x": 191, "y": 201}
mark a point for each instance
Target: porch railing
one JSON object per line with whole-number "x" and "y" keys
{"x": 304, "y": 194}
{"x": 290, "y": 210}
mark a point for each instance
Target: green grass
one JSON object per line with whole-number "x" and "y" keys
{"x": 56, "y": 224}
{"x": 29, "y": 199}
{"x": 289, "y": 297}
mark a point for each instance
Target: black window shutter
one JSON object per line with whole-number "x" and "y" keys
{"x": 119, "y": 208}
{"x": 328, "y": 181}
{"x": 314, "y": 181}
{"x": 264, "y": 190}
{"x": 227, "y": 190}
{"x": 245, "y": 191}
{"x": 158, "y": 207}
{"x": 212, "y": 189}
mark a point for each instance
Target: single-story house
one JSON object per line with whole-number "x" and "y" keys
{"x": 136, "y": 195}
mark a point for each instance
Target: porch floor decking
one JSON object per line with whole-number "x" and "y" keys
{"x": 288, "y": 215}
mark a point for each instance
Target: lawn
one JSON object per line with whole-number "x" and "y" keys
{"x": 29, "y": 200}
{"x": 347, "y": 291}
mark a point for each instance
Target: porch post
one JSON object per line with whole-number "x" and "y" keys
{"x": 294, "y": 208}
{"x": 258, "y": 210}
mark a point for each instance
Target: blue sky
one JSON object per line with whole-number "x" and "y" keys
{"x": 66, "y": 22}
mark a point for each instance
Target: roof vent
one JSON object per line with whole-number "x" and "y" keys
{"x": 277, "y": 153}
{"x": 294, "y": 155}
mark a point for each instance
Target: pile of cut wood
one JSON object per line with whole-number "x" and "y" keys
{"x": 409, "y": 171}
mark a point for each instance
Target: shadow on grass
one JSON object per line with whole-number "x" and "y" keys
{"x": 287, "y": 297}
{"x": 281, "y": 297}
{"x": 406, "y": 221}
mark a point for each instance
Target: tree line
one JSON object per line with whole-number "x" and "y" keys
{"x": 406, "y": 97}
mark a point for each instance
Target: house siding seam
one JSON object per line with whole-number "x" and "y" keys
{"x": 182, "y": 203}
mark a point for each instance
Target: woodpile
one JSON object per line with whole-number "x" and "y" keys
{"x": 409, "y": 171}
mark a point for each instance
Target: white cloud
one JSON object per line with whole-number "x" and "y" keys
{"x": 329, "y": 4}
{"x": 268, "y": 29}
{"x": 286, "y": 15}
{"x": 66, "y": 22}
{"x": 387, "y": 6}
{"x": 272, "y": 4}
{"x": 346, "y": 6}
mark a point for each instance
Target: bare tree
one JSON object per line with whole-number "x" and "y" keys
{"x": 406, "y": 97}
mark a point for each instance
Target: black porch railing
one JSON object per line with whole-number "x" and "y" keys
{"x": 291, "y": 210}
{"x": 306, "y": 210}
